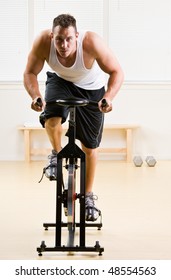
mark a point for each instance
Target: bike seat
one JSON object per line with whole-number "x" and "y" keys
{"x": 73, "y": 102}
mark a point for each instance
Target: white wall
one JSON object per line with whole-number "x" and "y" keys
{"x": 137, "y": 31}
{"x": 145, "y": 104}
{"x": 139, "y": 34}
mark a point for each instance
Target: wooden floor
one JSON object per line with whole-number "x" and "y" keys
{"x": 135, "y": 203}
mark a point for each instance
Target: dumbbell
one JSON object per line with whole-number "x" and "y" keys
{"x": 150, "y": 160}
{"x": 137, "y": 161}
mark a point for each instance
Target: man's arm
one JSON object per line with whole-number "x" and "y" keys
{"x": 109, "y": 64}
{"x": 34, "y": 66}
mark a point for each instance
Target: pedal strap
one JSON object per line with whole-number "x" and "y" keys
{"x": 90, "y": 210}
{"x": 92, "y": 207}
{"x": 43, "y": 173}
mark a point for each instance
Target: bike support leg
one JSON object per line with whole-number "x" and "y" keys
{"x": 58, "y": 228}
{"x": 82, "y": 202}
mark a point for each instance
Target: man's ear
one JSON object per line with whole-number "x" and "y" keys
{"x": 77, "y": 34}
{"x": 51, "y": 35}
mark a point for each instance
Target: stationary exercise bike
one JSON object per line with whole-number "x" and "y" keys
{"x": 69, "y": 160}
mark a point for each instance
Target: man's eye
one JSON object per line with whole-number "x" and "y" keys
{"x": 58, "y": 40}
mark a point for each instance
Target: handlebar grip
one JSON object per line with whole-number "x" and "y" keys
{"x": 39, "y": 102}
{"x": 104, "y": 102}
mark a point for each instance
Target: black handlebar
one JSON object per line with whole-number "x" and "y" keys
{"x": 72, "y": 102}
{"x": 39, "y": 102}
{"x": 104, "y": 102}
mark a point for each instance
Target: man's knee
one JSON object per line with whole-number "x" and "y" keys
{"x": 53, "y": 122}
{"x": 89, "y": 152}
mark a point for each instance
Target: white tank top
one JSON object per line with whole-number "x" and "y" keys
{"x": 78, "y": 74}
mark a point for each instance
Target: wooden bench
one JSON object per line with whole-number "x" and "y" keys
{"x": 126, "y": 150}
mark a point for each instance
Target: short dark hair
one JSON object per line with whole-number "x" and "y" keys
{"x": 64, "y": 20}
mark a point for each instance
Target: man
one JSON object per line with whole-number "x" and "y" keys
{"x": 79, "y": 61}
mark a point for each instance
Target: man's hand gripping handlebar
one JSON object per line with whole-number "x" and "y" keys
{"x": 38, "y": 104}
{"x": 105, "y": 106}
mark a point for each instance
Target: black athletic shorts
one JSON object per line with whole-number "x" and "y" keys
{"x": 89, "y": 120}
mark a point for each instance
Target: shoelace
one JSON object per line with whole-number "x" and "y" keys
{"x": 90, "y": 198}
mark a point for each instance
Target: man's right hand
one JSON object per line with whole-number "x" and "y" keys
{"x": 38, "y": 104}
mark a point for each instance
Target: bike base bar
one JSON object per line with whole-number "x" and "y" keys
{"x": 98, "y": 225}
{"x": 96, "y": 248}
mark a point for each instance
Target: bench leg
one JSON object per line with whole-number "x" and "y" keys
{"x": 129, "y": 144}
{"x": 27, "y": 145}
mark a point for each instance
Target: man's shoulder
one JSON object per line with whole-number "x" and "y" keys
{"x": 42, "y": 43}
{"x": 44, "y": 35}
{"x": 90, "y": 39}
{"x": 90, "y": 36}
{"x": 43, "y": 40}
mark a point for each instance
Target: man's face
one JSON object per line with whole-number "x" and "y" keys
{"x": 65, "y": 40}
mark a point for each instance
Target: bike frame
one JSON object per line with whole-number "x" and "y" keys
{"x": 71, "y": 153}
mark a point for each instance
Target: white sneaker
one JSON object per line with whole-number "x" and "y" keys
{"x": 51, "y": 169}
{"x": 91, "y": 211}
